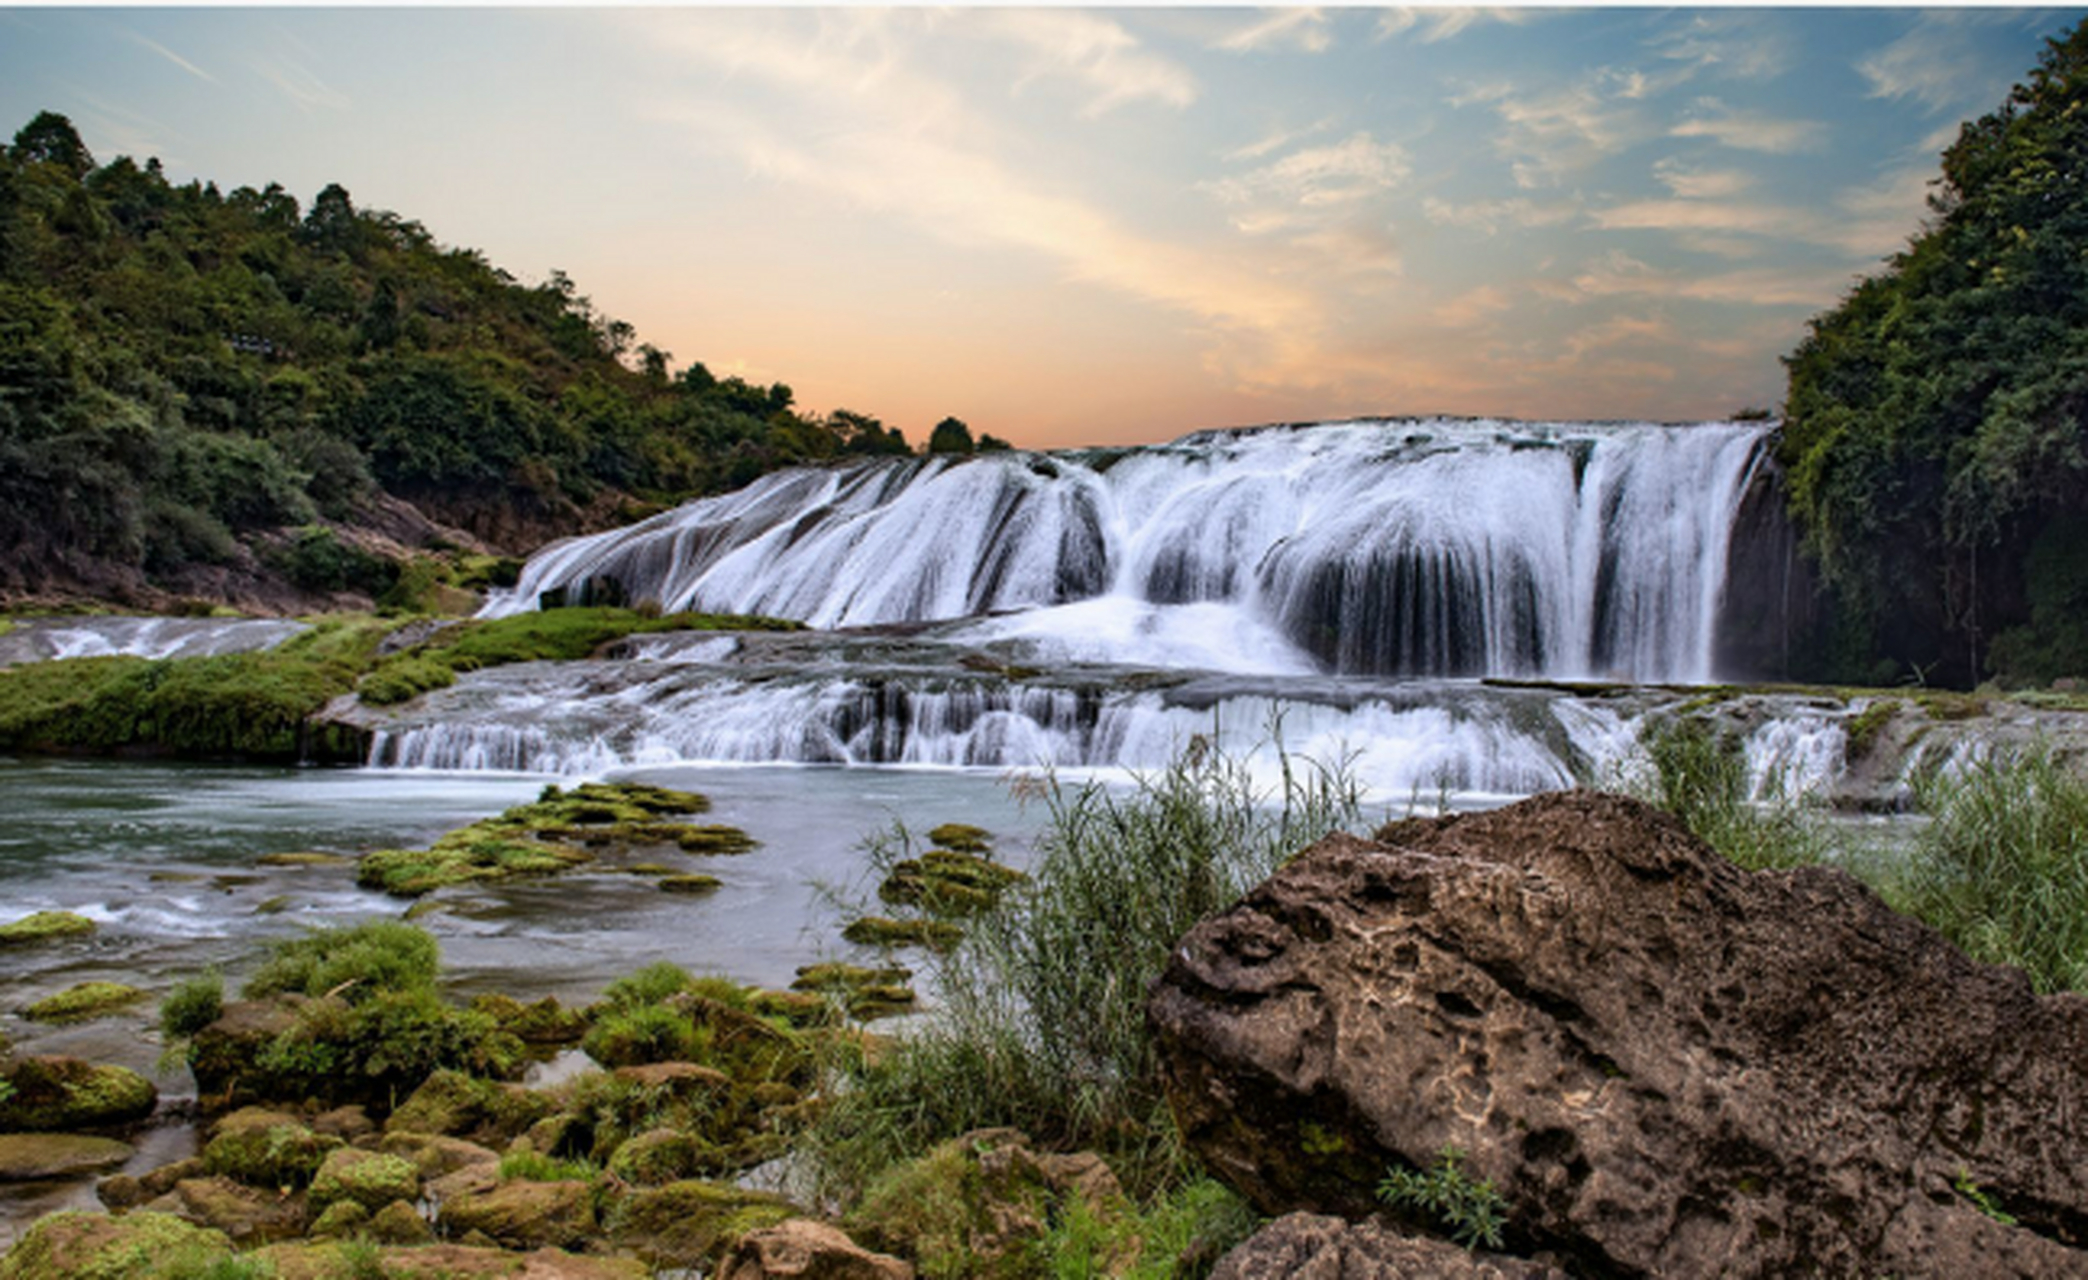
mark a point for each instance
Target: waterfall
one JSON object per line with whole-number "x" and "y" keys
{"x": 1407, "y": 547}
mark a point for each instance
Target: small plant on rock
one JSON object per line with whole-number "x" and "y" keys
{"x": 1472, "y": 1212}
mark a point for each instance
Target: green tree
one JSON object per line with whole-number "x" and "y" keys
{"x": 951, "y": 436}
{"x": 51, "y": 139}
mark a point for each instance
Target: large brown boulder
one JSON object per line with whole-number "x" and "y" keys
{"x": 802, "y": 1249}
{"x": 1305, "y": 1246}
{"x": 1667, "y": 1065}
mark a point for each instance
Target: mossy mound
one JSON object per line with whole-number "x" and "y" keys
{"x": 805, "y": 1010}
{"x": 54, "y": 1093}
{"x": 948, "y": 883}
{"x": 961, "y": 836}
{"x": 526, "y": 1214}
{"x": 338, "y": 1259}
{"x": 83, "y": 1001}
{"x": 714, "y": 839}
{"x": 44, "y": 926}
{"x": 883, "y": 931}
{"x": 691, "y": 1223}
{"x": 77, "y": 1245}
{"x": 368, "y": 1178}
{"x": 307, "y": 859}
{"x": 865, "y": 992}
{"x": 267, "y": 1149}
{"x": 692, "y": 885}
{"x": 543, "y": 1022}
{"x": 556, "y": 831}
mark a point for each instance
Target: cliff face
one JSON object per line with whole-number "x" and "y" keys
{"x": 1770, "y": 615}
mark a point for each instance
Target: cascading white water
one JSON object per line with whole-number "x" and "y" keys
{"x": 1384, "y": 547}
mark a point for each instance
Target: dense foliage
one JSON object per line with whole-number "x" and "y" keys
{"x": 181, "y": 368}
{"x": 1934, "y": 430}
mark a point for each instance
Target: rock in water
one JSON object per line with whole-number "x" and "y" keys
{"x": 1667, "y": 1065}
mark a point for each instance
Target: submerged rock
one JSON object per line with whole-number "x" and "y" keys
{"x": 27, "y": 1157}
{"x": 1667, "y": 1065}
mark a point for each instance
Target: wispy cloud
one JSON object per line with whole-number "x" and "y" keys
{"x": 1926, "y": 65}
{"x": 889, "y": 137}
{"x": 1491, "y": 216}
{"x": 1098, "y": 53}
{"x": 1751, "y": 131}
{"x": 297, "y": 82}
{"x": 1474, "y": 308}
{"x": 171, "y": 56}
{"x": 1618, "y": 274}
{"x": 1548, "y": 133}
{"x": 1304, "y": 29}
{"x": 1432, "y": 25}
{"x": 1866, "y": 220}
{"x": 1753, "y": 47}
{"x": 1352, "y": 169}
{"x": 1691, "y": 183}
{"x": 1276, "y": 141}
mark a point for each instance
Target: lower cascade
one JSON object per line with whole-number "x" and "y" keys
{"x": 1423, "y": 547}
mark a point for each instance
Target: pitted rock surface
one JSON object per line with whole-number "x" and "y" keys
{"x": 1305, "y": 1246}
{"x": 1669, "y": 1066}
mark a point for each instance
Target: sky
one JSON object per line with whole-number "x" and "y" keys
{"x": 1112, "y": 225}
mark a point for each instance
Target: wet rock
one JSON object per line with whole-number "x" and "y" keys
{"x": 1667, "y": 1065}
{"x": 802, "y": 1249}
{"x": 526, "y": 1215}
{"x": 67, "y": 1093}
{"x": 1312, "y": 1247}
{"x": 27, "y": 1157}
{"x": 120, "y": 1191}
{"x": 160, "y": 1181}
{"x": 78, "y": 1245}
{"x": 248, "y": 1215}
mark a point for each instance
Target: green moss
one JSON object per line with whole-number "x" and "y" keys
{"x": 357, "y": 962}
{"x": 1863, "y": 727}
{"x": 265, "y": 1149}
{"x": 396, "y": 682}
{"x": 44, "y": 926}
{"x": 66, "y": 1094}
{"x": 368, "y": 1178}
{"x": 883, "y": 931}
{"x": 75, "y": 1245}
{"x": 691, "y": 885}
{"x": 946, "y": 883}
{"x": 690, "y": 1223}
{"x": 84, "y": 1000}
{"x": 716, "y": 840}
{"x": 961, "y": 836}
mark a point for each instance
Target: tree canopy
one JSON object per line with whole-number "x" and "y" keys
{"x": 1933, "y": 434}
{"x": 180, "y": 366}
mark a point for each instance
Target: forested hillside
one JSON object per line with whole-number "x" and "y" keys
{"x": 1934, "y": 429}
{"x": 207, "y": 392}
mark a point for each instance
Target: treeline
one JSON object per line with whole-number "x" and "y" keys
{"x": 1933, "y": 436}
{"x": 182, "y": 367}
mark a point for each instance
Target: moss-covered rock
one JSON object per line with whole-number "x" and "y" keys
{"x": 691, "y": 1223}
{"x": 946, "y": 883}
{"x": 78, "y": 1245}
{"x": 369, "y": 1178}
{"x": 434, "y": 1156}
{"x": 716, "y": 840}
{"x": 84, "y": 1000}
{"x": 883, "y": 931}
{"x": 542, "y": 1022}
{"x": 960, "y": 836}
{"x": 456, "y": 1261}
{"x": 29, "y": 1157}
{"x": 267, "y": 1149}
{"x": 659, "y": 1156}
{"x": 44, "y": 926}
{"x": 526, "y": 1215}
{"x": 67, "y": 1093}
{"x": 248, "y": 1215}
{"x": 341, "y": 1219}
{"x": 453, "y": 1104}
{"x": 690, "y": 885}
{"x": 978, "y": 1204}
{"x": 399, "y": 1223}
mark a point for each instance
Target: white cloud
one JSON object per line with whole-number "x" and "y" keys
{"x": 1547, "y": 133}
{"x": 1352, "y": 169}
{"x": 1691, "y": 183}
{"x": 1472, "y": 309}
{"x": 1276, "y": 141}
{"x": 1490, "y": 216}
{"x": 1868, "y": 220}
{"x": 1617, "y": 274}
{"x": 1304, "y": 29}
{"x": 1097, "y": 53}
{"x": 1751, "y": 131}
{"x": 1739, "y": 46}
{"x": 1926, "y": 64}
{"x": 171, "y": 56}
{"x": 1433, "y": 25}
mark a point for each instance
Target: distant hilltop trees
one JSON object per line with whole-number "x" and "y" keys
{"x": 183, "y": 369}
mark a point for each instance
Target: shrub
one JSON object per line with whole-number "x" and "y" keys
{"x": 1472, "y": 1212}
{"x": 1043, "y": 1021}
{"x": 650, "y": 985}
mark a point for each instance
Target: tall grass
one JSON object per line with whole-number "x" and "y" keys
{"x": 1042, "y": 1017}
{"x": 2002, "y": 866}
{"x": 1700, "y": 775}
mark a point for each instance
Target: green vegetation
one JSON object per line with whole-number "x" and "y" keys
{"x": 193, "y": 1004}
{"x": 1043, "y": 1020}
{"x": 43, "y": 926}
{"x": 1966, "y": 1187}
{"x": 1932, "y": 432}
{"x": 2002, "y": 866}
{"x": 192, "y": 372}
{"x": 1699, "y": 774}
{"x": 1474, "y": 1213}
{"x": 556, "y": 831}
{"x": 84, "y": 1000}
